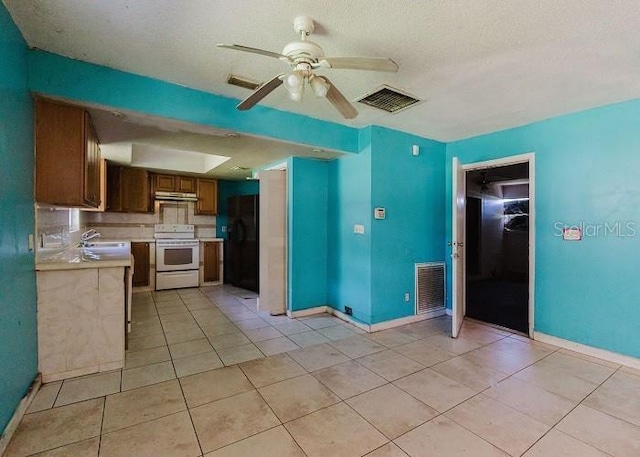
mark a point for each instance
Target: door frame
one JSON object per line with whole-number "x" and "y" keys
{"x": 529, "y": 158}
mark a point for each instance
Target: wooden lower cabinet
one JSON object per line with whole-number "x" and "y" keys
{"x": 141, "y": 270}
{"x": 211, "y": 260}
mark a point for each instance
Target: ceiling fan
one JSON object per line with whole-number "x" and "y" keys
{"x": 304, "y": 57}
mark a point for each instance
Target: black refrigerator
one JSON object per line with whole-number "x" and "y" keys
{"x": 242, "y": 248}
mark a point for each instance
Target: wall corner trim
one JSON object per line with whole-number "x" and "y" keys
{"x": 603, "y": 354}
{"x": 20, "y": 411}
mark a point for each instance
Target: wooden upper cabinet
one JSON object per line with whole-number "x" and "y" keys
{"x": 128, "y": 189}
{"x": 207, "y": 190}
{"x": 67, "y": 156}
{"x": 114, "y": 187}
{"x": 165, "y": 183}
{"x": 173, "y": 183}
{"x": 185, "y": 184}
{"x": 92, "y": 164}
{"x": 135, "y": 190}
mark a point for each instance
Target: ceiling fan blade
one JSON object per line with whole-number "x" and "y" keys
{"x": 260, "y": 93}
{"x": 262, "y": 52}
{"x": 339, "y": 101}
{"x": 359, "y": 63}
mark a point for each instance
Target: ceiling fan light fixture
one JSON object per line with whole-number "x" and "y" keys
{"x": 319, "y": 85}
{"x": 294, "y": 83}
{"x": 304, "y": 57}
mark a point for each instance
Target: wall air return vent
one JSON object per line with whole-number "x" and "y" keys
{"x": 430, "y": 296}
{"x": 243, "y": 82}
{"x": 389, "y": 99}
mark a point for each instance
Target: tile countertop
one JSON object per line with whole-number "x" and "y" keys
{"x": 73, "y": 258}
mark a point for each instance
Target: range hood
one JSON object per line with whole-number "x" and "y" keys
{"x": 176, "y": 196}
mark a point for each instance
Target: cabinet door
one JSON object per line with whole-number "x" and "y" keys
{"x": 185, "y": 184}
{"x": 165, "y": 183}
{"x": 211, "y": 261}
{"x": 91, "y": 165}
{"x": 60, "y": 154}
{"x": 207, "y": 197}
{"x": 135, "y": 190}
{"x": 140, "y": 253}
{"x": 114, "y": 187}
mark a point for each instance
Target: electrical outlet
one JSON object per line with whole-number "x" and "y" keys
{"x": 348, "y": 311}
{"x": 407, "y": 297}
{"x": 223, "y": 228}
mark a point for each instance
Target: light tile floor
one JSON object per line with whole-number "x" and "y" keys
{"x": 208, "y": 375}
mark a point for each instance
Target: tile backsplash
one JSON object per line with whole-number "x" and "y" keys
{"x": 140, "y": 225}
{"x": 54, "y": 227}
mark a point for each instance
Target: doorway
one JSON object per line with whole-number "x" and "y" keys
{"x": 493, "y": 243}
{"x": 497, "y": 234}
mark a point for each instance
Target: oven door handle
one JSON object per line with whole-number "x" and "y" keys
{"x": 177, "y": 273}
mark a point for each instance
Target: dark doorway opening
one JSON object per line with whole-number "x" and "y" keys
{"x": 497, "y": 246}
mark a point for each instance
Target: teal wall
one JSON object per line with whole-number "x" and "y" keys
{"x": 349, "y": 255}
{"x": 587, "y": 169}
{"x": 307, "y": 195}
{"x": 88, "y": 83}
{"x": 412, "y": 191}
{"x": 18, "y": 334}
{"x": 586, "y": 166}
{"x": 371, "y": 273}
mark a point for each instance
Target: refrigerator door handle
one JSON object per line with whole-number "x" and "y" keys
{"x": 242, "y": 231}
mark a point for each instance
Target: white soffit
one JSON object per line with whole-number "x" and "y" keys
{"x": 116, "y": 152}
{"x": 147, "y": 156}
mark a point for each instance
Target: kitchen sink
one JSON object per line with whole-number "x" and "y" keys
{"x": 104, "y": 250}
{"x": 106, "y": 245}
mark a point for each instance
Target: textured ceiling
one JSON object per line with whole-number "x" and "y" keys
{"x": 480, "y": 65}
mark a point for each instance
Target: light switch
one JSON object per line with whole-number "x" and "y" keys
{"x": 358, "y": 229}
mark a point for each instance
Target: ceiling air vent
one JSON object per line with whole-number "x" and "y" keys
{"x": 243, "y": 82}
{"x": 389, "y": 99}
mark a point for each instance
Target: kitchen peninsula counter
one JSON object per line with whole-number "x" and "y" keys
{"x": 81, "y": 310}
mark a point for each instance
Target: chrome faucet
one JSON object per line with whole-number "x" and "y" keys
{"x": 88, "y": 235}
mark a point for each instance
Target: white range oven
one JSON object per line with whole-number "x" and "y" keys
{"x": 177, "y": 256}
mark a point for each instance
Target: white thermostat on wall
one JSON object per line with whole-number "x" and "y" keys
{"x": 379, "y": 213}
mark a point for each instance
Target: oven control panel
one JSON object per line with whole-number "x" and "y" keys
{"x": 174, "y": 230}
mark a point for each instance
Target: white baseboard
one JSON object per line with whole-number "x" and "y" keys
{"x": 349, "y": 319}
{"x": 405, "y": 320}
{"x": 308, "y": 312}
{"x": 24, "y": 404}
{"x": 448, "y": 311}
{"x": 609, "y": 356}
{"x": 366, "y": 327}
